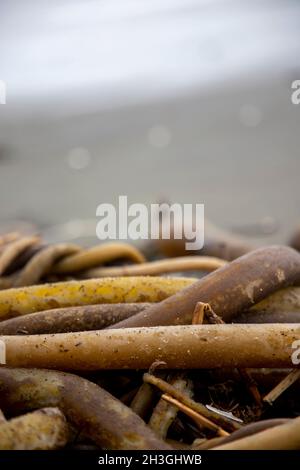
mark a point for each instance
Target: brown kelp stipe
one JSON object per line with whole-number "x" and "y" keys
{"x": 155, "y": 268}
{"x": 14, "y": 249}
{"x": 23, "y": 300}
{"x": 246, "y": 430}
{"x": 103, "y": 418}
{"x": 219, "y": 243}
{"x": 229, "y": 290}
{"x": 270, "y": 317}
{"x": 98, "y": 255}
{"x": 282, "y": 306}
{"x": 22, "y": 259}
{"x": 143, "y": 400}
{"x": 65, "y": 320}
{"x": 178, "y": 347}
{"x": 25, "y": 261}
{"x": 283, "y": 437}
{"x": 44, "y": 429}
{"x": 2, "y": 417}
{"x": 96, "y": 317}
{"x": 41, "y": 263}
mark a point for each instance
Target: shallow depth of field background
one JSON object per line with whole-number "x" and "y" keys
{"x": 177, "y": 100}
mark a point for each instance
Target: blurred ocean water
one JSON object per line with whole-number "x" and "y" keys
{"x": 100, "y": 53}
{"x": 182, "y": 100}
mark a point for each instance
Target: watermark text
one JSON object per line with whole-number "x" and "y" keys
{"x": 158, "y": 221}
{"x": 295, "y": 97}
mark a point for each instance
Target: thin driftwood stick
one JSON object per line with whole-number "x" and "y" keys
{"x": 229, "y": 290}
{"x": 178, "y": 347}
{"x": 96, "y": 256}
{"x": 44, "y": 429}
{"x": 65, "y": 320}
{"x": 23, "y": 300}
{"x": 197, "y": 417}
{"x": 103, "y": 418}
{"x": 154, "y": 268}
{"x": 186, "y": 400}
{"x": 291, "y": 378}
{"x": 283, "y": 437}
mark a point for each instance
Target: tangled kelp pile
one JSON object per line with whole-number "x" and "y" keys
{"x": 101, "y": 350}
